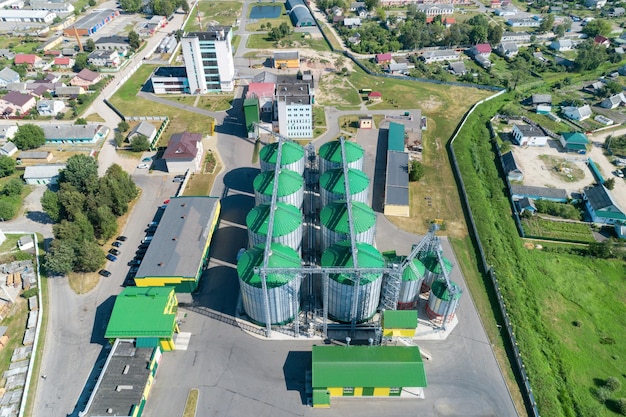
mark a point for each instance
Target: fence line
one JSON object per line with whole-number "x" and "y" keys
{"x": 488, "y": 269}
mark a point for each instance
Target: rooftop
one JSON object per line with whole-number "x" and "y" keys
{"x": 601, "y": 199}
{"x": 400, "y": 319}
{"x": 94, "y": 19}
{"x": 42, "y": 171}
{"x": 212, "y": 33}
{"x": 395, "y": 140}
{"x": 182, "y": 146}
{"x": 286, "y": 55}
{"x": 180, "y": 240}
{"x": 180, "y": 72}
{"x": 539, "y": 192}
{"x": 397, "y": 181}
{"x": 70, "y": 132}
{"x": 528, "y": 130}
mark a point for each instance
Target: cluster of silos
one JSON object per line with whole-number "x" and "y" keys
{"x": 333, "y": 185}
{"x": 411, "y": 283}
{"x": 434, "y": 271}
{"x": 336, "y": 227}
{"x": 443, "y": 300}
{"x": 283, "y": 289}
{"x": 342, "y": 288}
{"x": 331, "y": 157}
{"x": 286, "y": 240}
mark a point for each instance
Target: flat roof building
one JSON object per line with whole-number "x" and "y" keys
{"x": 91, "y": 23}
{"x": 64, "y": 133}
{"x": 209, "y": 60}
{"x": 179, "y": 249}
{"x": 397, "y": 184}
{"x": 170, "y": 80}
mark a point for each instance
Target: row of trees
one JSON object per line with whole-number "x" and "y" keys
{"x": 85, "y": 209}
{"x": 158, "y": 7}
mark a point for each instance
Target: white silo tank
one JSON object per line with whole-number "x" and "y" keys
{"x": 292, "y": 157}
{"x": 287, "y": 229}
{"x": 290, "y": 187}
{"x": 433, "y": 268}
{"x": 335, "y": 225}
{"x": 411, "y": 284}
{"x": 330, "y": 155}
{"x": 332, "y": 186}
{"x": 442, "y": 301}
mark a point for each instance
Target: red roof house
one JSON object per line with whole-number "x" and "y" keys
{"x": 446, "y": 21}
{"x": 86, "y": 78}
{"x": 483, "y": 49}
{"x": 184, "y": 152}
{"x": 383, "y": 58}
{"x": 375, "y": 96}
{"x": 601, "y": 40}
{"x": 63, "y": 61}
{"x": 28, "y": 59}
{"x": 15, "y": 102}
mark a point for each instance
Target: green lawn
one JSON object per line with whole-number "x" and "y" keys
{"x": 567, "y": 310}
{"x": 186, "y": 100}
{"x": 236, "y": 41}
{"x": 214, "y": 12}
{"x": 219, "y": 102}
{"x": 295, "y": 40}
{"x": 547, "y": 229}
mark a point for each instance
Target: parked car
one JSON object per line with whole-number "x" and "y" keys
{"x": 114, "y": 251}
{"x": 117, "y": 244}
{"x": 111, "y": 258}
{"x": 179, "y": 178}
{"x": 135, "y": 262}
{"x": 143, "y": 166}
{"x": 146, "y": 239}
{"x": 104, "y": 273}
{"x": 147, "y": 159}
{"x": 122, "y": 238}
{"x": 619, "y": 173}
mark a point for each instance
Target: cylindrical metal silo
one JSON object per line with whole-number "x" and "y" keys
{"x": 433, "y": 269}
{"x": 335, "y": 225}
{"x": 332, "y": 186}
{"x": 341, "y": 287}
{"x": 290, "y": 187}
{"x": 283, "y": 289}
{"x": 411, "y": 284}
{"x": 330, "y": 155}
{"x": 442, "y": 302}
{"x": 287, "y": 228}
{"x": 292, "y": 157}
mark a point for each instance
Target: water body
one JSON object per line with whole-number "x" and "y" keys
{"x": 265, "y": 12}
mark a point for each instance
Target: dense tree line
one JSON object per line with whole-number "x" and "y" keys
{"x": 85, "y": 209}
{"x": 158, "y": 7}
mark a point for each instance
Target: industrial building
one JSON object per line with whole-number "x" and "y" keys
{"x": 27, "y": 16}
{"x": 125, "y": 381}
{"x": 208, "y": 59}
{"x": 179, "y": 249}
{"x": 299, "y": 13}
{"x": 153, "y": 312}
{"x": 64, "y": 133}
{"x": 368, "y": 371}
{"x": 170, "y": 80}
{"x": 397, "y": 175}
{"x": 91, "y": 23}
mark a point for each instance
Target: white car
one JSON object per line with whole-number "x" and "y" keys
{"x": 619, "y": 173}
{"x": 143, "y": 166}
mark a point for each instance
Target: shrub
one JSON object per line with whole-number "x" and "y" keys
{"x": 416, "y": 171}
{"x": 620, "y": 405}
{"x": 603, "y": 394}
{"x": 612, "y": 384}
{"x": 29, "y": 293}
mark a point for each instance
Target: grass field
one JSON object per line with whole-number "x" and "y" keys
{"x": 214, "y": 12}
{"x": 201, "y": 184}
{"x": 295, "y": 40}
{"x": 126, "y": 100}
{"x": 218, "y": 102}
{"x": 569, "y": 232}
{"x": 336, "y": 90}
{"x": 567, "y": 310}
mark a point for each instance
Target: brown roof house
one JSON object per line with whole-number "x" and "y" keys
{"x": 14, "y": 103}
{"x": 85, "y": 78}
{"x": 184, "y": 152}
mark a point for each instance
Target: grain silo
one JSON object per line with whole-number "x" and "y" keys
{"x": 335, "y": 225}
{"x": 443, "y": 300}
{"x": 341, "y": 287}
{"x": 283, "y": 289}
{"x": 287, "y": 228}
{"x": 290, "y": 187}
{"x": 292, "y": 157}
{"x": 411, "y": 284}
{"x": 330, "y": 155}
{"x": 433, "y": 269}
{"x": 332, "y": 186}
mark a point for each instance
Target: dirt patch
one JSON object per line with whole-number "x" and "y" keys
{"x": 529, "y": 245}
{"x": 431, "y": 104}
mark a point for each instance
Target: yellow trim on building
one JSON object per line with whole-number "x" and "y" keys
{"x": 381, "y": 392}
{"x": 167, "y": 344}
{"x": 358, "y": 392}
{"x": 286, "y": 63}
{"x": 399, "y": 332}
{"x": 393, "y": 210}
{"x": 336, "y": 392}
{"x": 321, "y": 405}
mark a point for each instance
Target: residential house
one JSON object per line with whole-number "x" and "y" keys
{"x": 436, "y": 9}
{"x": 338, "y": 19}
{"x": 561, "y": 45}
{"x": 352, "y": 22}
{"x": 362, "y": 12}
{"x": 595, "y": 4}
{"x": 64, "y": 62}
{"x": 558, "y": 195}
{"x": 616, "y": 11}
{"x": 36, "y": 157}
{"x": 31, "y": 60}
{"x": 8, "y": 76}
{"x": 595, "y": 87}
{"x": 524, "y": 22}
{"x": 457, "y": 68}
{"x": 613, "y": 101}
{"x": 527, "y": 135}
{"x": 506, "y": 11}
{"x": 52, "y": 53}
{"x": 574, "y": 142}
{"x": 383, "y": 58}
{"x": 601, "y": 205}
{"x": 184, "y": 153}
{"x": 539, "y": 56}
{"x": 86, "y": 78}
{"x": 526, "y": 205}
{"x": 518, "y": 37}
{"x": 538, "y": 99}
{"x": 42, "y": 174}
{"x": 69, "y": 92}
{"x": 545, "y": 109}
{"x": 397, "y": 68}
{"x": 507, "y": 49}
{"x": 286, "y": 59}
{"x": 446, "y": 21}
{"x": 50, "y": 107}
{"x": 104, "y": 58}
{"x": 7, "y": 132}
{"x": 511, "y": 168}
{"x": 577, "y": 113}
{"x": 65, "y": 133}
{"x": 602, "y": 41}
{"x": 482, "y": 61}
{"x": 622, "y": 70}
{"x": 8, "y": 149}
{"x": 113, "y": 43}
{"x": 7, "y": 54}
{"x": 440, "y": 55}
{"x": 495, "y": 4}
{"x": 144, "y": 129}
{"x": 375, "y": 96}
{"x": 355, "y": 39}
{"x": 356, "y": 5}
{"x": 483, "y": 49}
{"x": 16, "y": 104}
{"x": 335, "y": 11}
{"x": 68, "y": 52}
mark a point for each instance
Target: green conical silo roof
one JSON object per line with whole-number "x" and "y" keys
{"x": 291, "y": 152}
{"x": 335, "y": 217}
{"x": 280, "y": 256}
{"x": 287, "y": 218}
{"x": 339, "y": 255}
{"x": 431, "y": 262}
{"x": 331, "y": 151}
{"x": 409, "y": 274}
{"x": 333, "y": 181}
{"x": 288, "y": 182}
{"x": 440, "y": 289}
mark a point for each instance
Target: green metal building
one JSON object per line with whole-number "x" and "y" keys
{"x": 251, "y": 114}
{"x": 395, "y": 139}
{"x": 366, "y": 371}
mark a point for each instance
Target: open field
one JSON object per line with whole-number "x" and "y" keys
{"x": 295, "y": 40}
{"x": 558, "y": 230}
{"x": 336, "y": 90}
{"x": 567, "y": 309}
{"x": 201, "y": 184}
{"x": 214, "y": 13}
{"x": 218, "y": 102}
{"x": 129, "y": 104}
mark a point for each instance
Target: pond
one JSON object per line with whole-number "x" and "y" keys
{"x": 265, "y": 12}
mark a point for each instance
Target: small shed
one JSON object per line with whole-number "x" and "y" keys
{"x": 42, "y": 174}
{"x": 375, "y": 96}
{"x": 574, "y": 142}
{"x": 399, "y": 323}
{"x": 526, "y": 205}
{"x": 8, "y": 149}
{"x": 25, "y": 242}
{"x": 366, "y": 122}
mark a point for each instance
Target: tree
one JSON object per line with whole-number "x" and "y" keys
{"x": 80, "y": 62}
{"x": 81, "y": 171}
{"x": 90, "y": 45}
{"x": 613, "y": 87}
{"x": 416, "y": 171}
{"x": 602, "y": 250}
{"x": 80, "y": 121}
{"x": 546, "y": 23}
{"x": 133, "y": 39}
{"x": 559, "y": 31}
{"x": 478, "y": 34}
{"x": 382, "y": 15}
{"x": 140, "y": 144}
{"x": 590, "y": 56}
{"x": 89, "y": 257}
{"x": 620, "y": 405}
{"x": 162, "y": 7}
{"x": 613, "y": 384}
{"x": 72, "y": 201}
{"x": 13, "y": 188}
{"x": 7, "y": 166}
{"x": 92, "y": 3}
{"x": 597, "y": 27}
{"x": 131, "y": 6}
{"x": 29, "y": 136}
{"x": 123, "y": 126}
{"x": 494, "y": 34}
{"x": 60, "y": 257}
{"x": 372, "y": 4}
{"x": 105, "y": 223}
{"x": 51, "y": 205}
{"x": 609, "y": 183}
{"x": 119, "y": 139}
